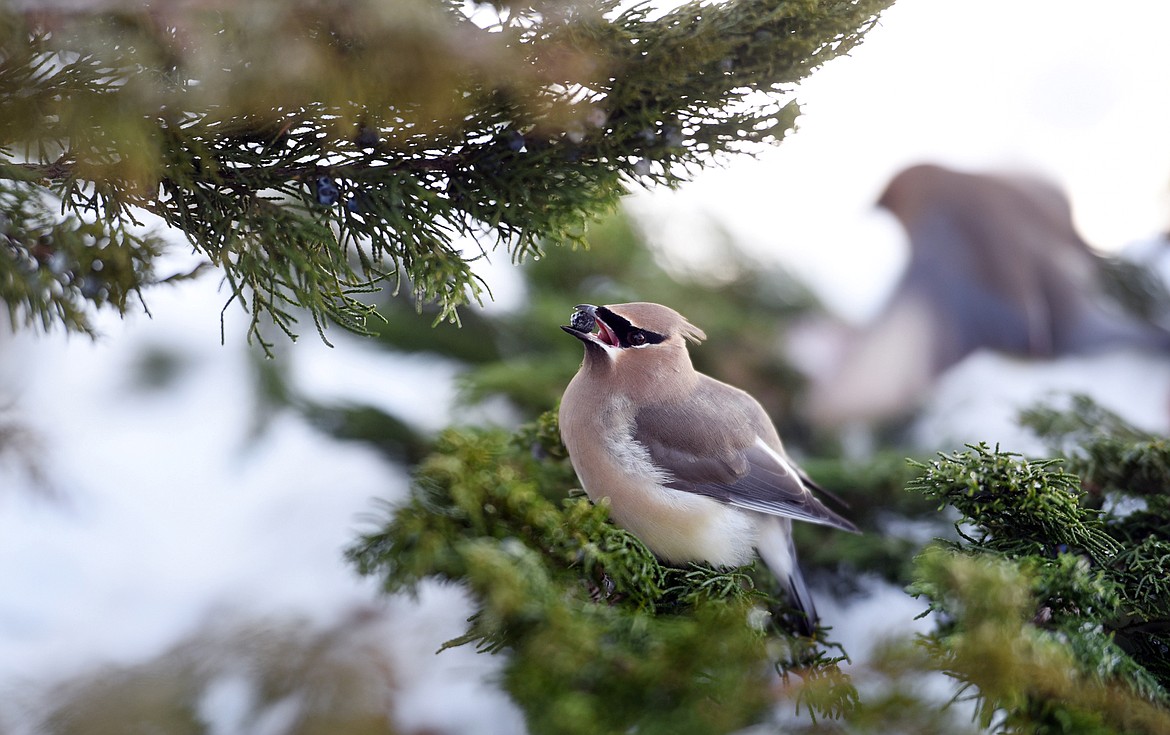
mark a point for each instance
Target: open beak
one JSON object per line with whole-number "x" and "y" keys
{"x": 584, "y": 321}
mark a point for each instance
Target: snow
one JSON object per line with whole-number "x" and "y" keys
{"x": 157, "y": 488}
{"x": 979, "y": 399}
{"x": 172, "y": 508}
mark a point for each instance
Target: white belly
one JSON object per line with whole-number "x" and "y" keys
{"x": 677, "y": 526}
{"x": 682, "y": 527}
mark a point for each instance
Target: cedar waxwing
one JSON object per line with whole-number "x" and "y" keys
{"x": 1000, "y": 264}
{"x": 691, "y": 466}
{"x": 995, "y": 264}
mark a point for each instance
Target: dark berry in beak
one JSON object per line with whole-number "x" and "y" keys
{"x": 582, "y": 321}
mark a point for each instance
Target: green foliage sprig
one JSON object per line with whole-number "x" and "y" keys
{"x": 314, "y": 152}
{"x": 1015, "y": 507}
{"x": 1023, "y": 677}
{"x": 1111, "y": 455}
{"x": 1055, "y": 611}
{"x": 53, "y": 268}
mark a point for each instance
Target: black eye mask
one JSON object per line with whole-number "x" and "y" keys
{"x": 628, "y": 335}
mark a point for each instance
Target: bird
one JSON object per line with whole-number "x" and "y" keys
{"x": 1001, "y": 263}
{"x": 690, "y": 465}
{"x": 996, "y": 264}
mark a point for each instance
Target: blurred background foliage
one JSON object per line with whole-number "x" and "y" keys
{"x": 514, "y": 354}
{"x": 517, "y": 355}
{"x": 235, "y": 677}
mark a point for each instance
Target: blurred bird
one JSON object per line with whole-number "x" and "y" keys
{"x": 693, "y": 467}
{"x": 996, "y": 264}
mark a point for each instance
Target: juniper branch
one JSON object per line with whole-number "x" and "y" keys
{"x": 315, "y": 152}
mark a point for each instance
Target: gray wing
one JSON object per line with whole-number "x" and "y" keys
{"x": 977, "y": 301}
{"x": 720, "y": 443}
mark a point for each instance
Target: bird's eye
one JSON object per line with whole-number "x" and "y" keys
{"x": 637, "y": 337}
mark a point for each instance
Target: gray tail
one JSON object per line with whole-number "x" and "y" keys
{"x": 779, "y": 553}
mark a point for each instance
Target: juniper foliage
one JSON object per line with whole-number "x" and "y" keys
{"x": 316, "y": 152}
{"x": 1051, "y": 611}
{"x": 601, "y": 637}
{"x": 1054, "y": 609}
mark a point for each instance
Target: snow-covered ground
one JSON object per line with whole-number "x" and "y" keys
{"x": 980, "y": 399}
{"x": 160, "y": 511}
